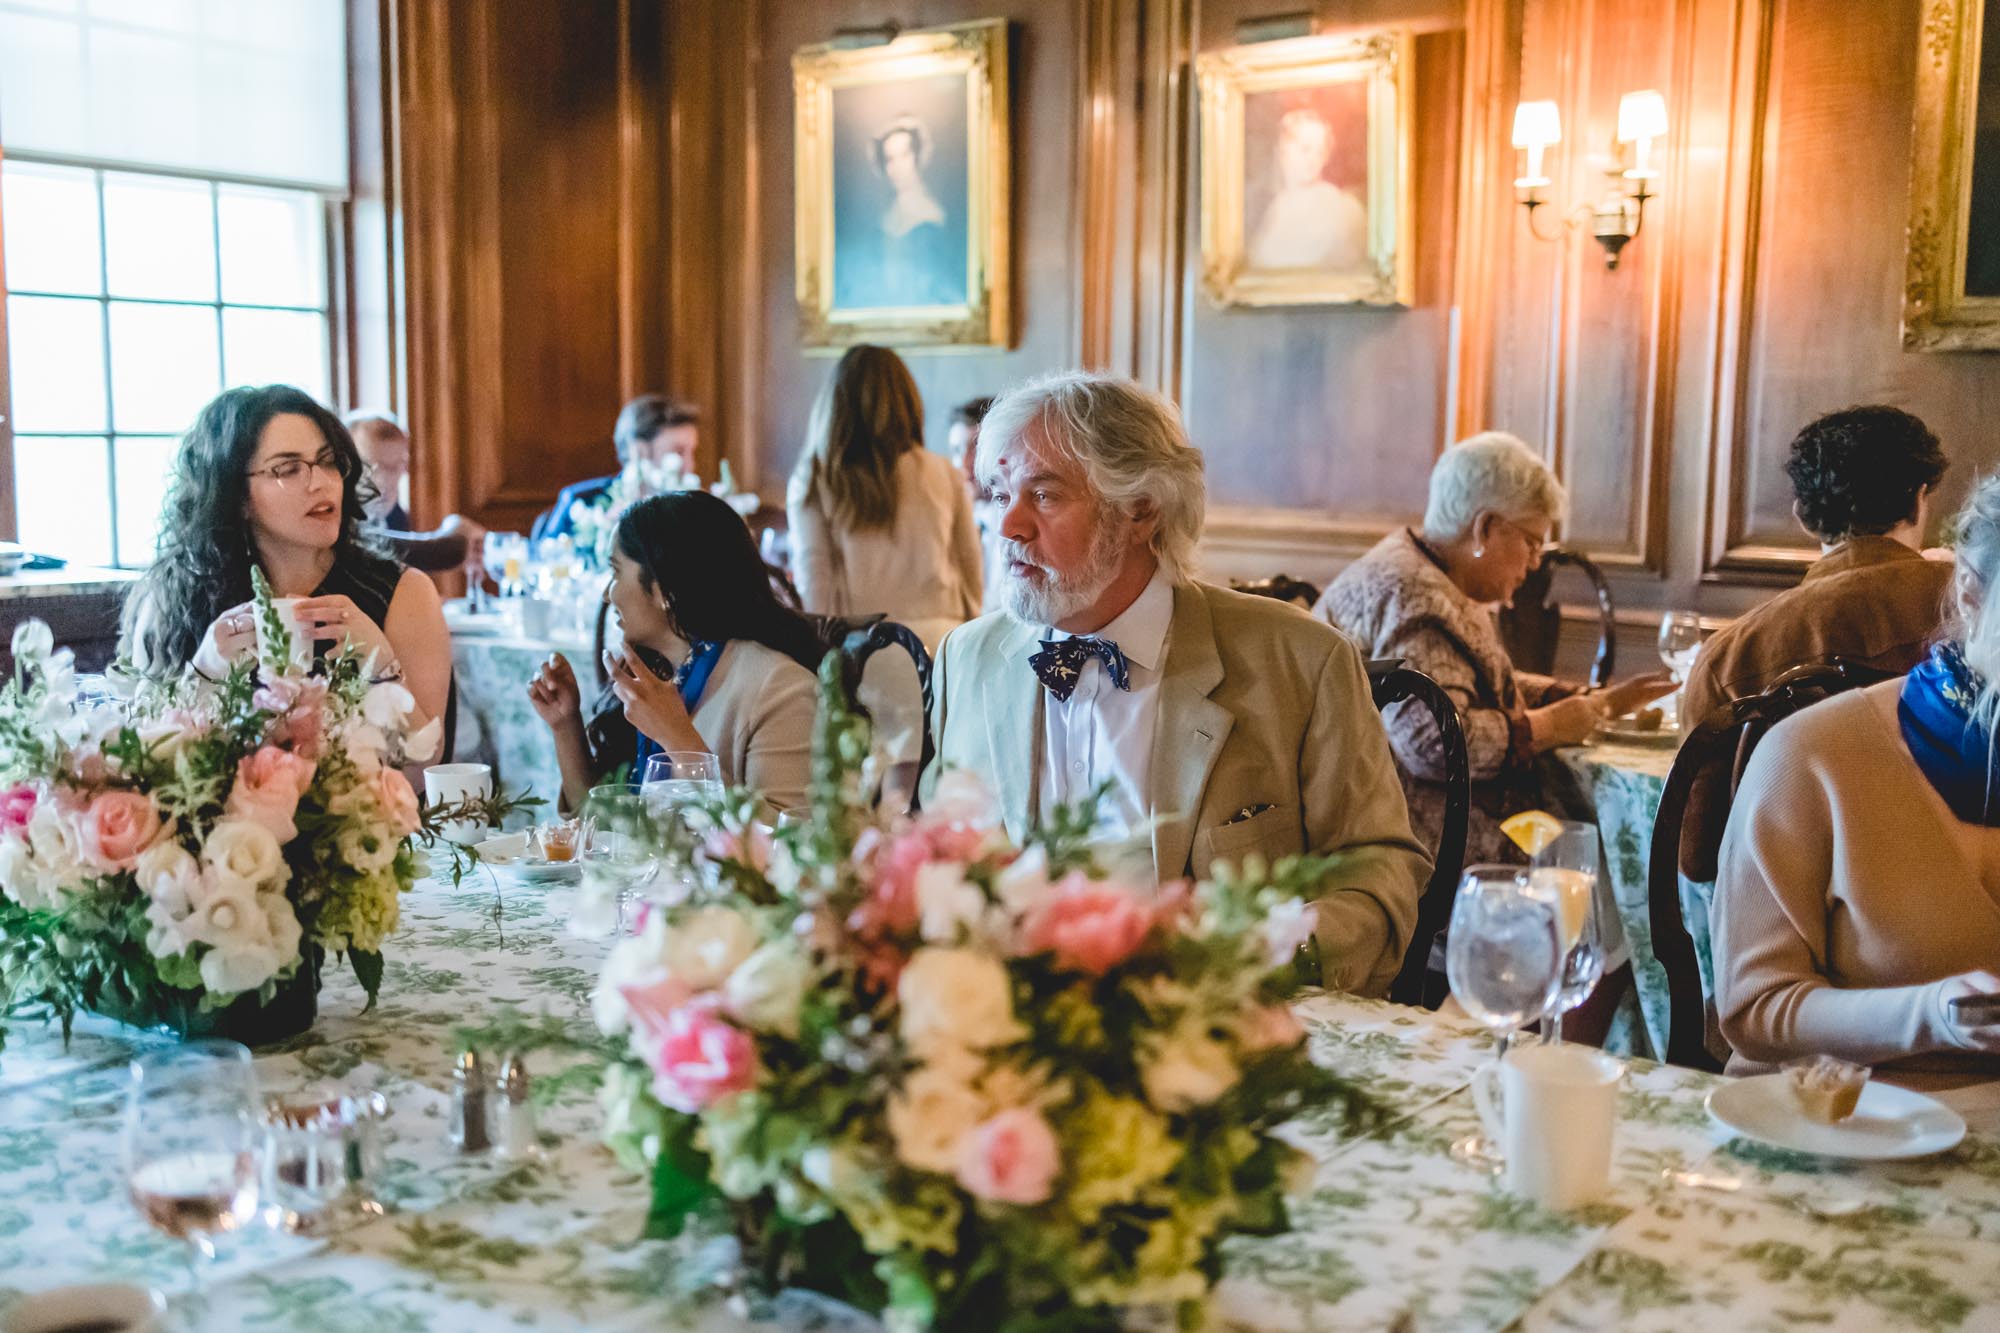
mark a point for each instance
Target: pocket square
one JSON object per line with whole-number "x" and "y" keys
{"x": 1248, "y": 812}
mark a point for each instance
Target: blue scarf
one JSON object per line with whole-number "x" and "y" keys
{"x": 1954, "y": 752}
{"x": 691, "y": 679}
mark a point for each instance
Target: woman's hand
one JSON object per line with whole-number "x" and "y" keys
{"x": 231, "y": 637}
{"x": 554, "y": 693}
{"x": 1628, "y": 696}
{"x": 652, "y": 705}
{"x": 337, "y": 620}
{"x": 1566, "y": 721}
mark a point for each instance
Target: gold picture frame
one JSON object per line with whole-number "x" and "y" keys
{"x": 1278, "y": 230}
{"x": 1951, "y": 292}
{"x": 901, "y": 164}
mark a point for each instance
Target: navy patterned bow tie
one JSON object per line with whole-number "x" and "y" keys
{"x": 1060, "y": 663}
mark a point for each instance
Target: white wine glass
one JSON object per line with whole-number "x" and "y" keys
{"x": 622, "y": 858}
{"x": 1680, "y": 643}
{"x": 1564, "y": 873}
{"x": 1503, "y": 957}
{"x": 676, "y": 779}
{"x": 193, "y": 1137}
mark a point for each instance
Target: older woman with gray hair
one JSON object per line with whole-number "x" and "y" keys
{"x": 1428, "y": 598}
{"x": 1218, "y": 725}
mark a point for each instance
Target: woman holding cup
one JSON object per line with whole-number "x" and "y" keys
{"x": 267, "y": 478}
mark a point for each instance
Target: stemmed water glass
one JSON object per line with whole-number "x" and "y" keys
{"x": 676, "y": 779}
{"x": 623, "y": 857}
{"x": 1564, "y": 873}
{"x": 1680, "y": 643}
{"x": 192, "y": 1144}
{"x": 1503, "y": 957}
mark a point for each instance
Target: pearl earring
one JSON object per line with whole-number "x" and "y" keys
{"x": 1479, "y": 553}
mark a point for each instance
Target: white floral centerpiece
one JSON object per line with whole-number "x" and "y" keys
{"x": 186, "y": 854}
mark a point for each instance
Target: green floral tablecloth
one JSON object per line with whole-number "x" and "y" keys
{"x": 496, "y": 724}
{"x": 1623, "y": 783}
{"x": 1394, "y": 1236}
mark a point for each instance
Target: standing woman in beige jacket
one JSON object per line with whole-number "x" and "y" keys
{"x": 880, "y": 525}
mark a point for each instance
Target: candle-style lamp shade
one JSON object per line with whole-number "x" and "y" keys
{"x": 1537, "y": 125}
{"x": 1642, "y": 118}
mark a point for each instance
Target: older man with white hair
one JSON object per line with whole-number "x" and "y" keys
{"x": 1223, "y": 724}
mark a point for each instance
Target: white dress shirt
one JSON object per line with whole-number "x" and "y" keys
{"x": 1104, "y": 733}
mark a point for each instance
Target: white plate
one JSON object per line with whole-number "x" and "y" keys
{"x": 1624, "y": 731}
{"x": 510, "y": 851}
{"x": 1888, "y": 1123}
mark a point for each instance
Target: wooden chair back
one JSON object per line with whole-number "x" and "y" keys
{"x": 1281, "y": 587}
{"x": 1728, "y": 735}
{"x": 1531, "y": 625}
{"x": 1391, "y": 682}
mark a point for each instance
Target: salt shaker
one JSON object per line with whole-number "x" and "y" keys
{"x": 514, "y": 1112}
{"x": 468, "y": 1105}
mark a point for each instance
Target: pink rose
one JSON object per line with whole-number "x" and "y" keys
{"x": 697, "y": 1058}
{"x": 1089, "y": 925}
{"x": 397, "y": 800}
{"x": 117, "y": 826}
{"x": 1011, "y": 1158}
{"x": 17, "y": 807}
{"x": 269, "y": 783}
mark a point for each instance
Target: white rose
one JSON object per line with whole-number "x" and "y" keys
{"x": 166, "y": 870}
{"x": 33, "y": 639}
{"x": 633, "y": 960}
{"x": 947, "y": 903}
{"x": 1187, "y": 1069}
{"x": 282, "y": 923}
{"x": 240, "y": 854}
{"x": 364, "y": 744}
{"x": 956, "y": 998}
{"x": 768, "y": 988}
{"x": 704, "y": 947}
{"x": 368, "y": 847}
{"x": 228, "y": 971}
{"x": 930, "y": 1115}
{"x": 20, "y": 877}
{"x": 52, "y": 839}
{"x": 1024, "y": 884}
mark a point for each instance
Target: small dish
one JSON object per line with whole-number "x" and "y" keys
{"x": 1889, "y": 1123}
{"x": 513, "y": 851}
{"x": 1629, "y": 730}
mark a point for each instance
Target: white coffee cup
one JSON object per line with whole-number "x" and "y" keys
{"x": 1552, "y": 1109}
{"x": 302, "y": 640}
{"x": 115, "y": 1305}
{"x": 452, "y": 783}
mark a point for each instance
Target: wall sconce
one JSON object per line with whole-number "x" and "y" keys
{"x": 1616, "y": 218}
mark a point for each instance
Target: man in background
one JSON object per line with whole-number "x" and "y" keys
{"x": 385, "y": 452}
{"x": 651, "y": 428}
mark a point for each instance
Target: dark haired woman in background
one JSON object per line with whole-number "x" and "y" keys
{"x": 267, "y": 476}
{"x": 712, "y": 660}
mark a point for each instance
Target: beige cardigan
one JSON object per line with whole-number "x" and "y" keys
{"x": 757, "y": 716}
{"x": 922, "y": 570}
{"x": 1846, "y": 886}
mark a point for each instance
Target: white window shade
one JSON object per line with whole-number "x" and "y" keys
{"x": 254, "y": 89}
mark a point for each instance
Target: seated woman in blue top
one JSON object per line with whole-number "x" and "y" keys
{"x": 711, "y": 660}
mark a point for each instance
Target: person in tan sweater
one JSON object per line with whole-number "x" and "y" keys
{"x": 1859, "y": 886}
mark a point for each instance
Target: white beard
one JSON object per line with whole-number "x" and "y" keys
{"x": 1059, "y": 596}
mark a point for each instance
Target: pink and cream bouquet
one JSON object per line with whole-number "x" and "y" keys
{"x": 185, "y": 853}
{"x": 951, "y": 1079}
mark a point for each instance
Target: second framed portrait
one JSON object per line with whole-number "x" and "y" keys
{"x": 902, "y": 185}
{"x": 1305, "y": 172}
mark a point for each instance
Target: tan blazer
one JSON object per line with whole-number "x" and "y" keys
{"x": 922, "y": 570}
{"x": 1261, "y": 708}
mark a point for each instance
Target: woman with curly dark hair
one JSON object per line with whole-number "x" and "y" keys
{"x": 268, "y": 477}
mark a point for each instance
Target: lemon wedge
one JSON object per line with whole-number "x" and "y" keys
{"x": 1531, "y": 830}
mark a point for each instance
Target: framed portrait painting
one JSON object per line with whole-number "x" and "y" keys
{"x": 1305, "y": 172}
{"x": 1951, "y": 293}
{"x": 902, "y": 183}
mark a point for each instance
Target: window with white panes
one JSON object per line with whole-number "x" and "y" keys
{"x": 132, "y": 300}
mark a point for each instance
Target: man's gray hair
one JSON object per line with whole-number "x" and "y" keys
{"x": 1491, "y": 471}
{"x": 1129, "y": 442}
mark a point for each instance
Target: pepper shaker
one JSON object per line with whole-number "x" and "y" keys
{"x": 469, "y": 1133}
{"x": 514, "y": 1111}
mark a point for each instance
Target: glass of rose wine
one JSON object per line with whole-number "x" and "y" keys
{"x": 192, "y": 1142}
{"x": 1564, "y": 872}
